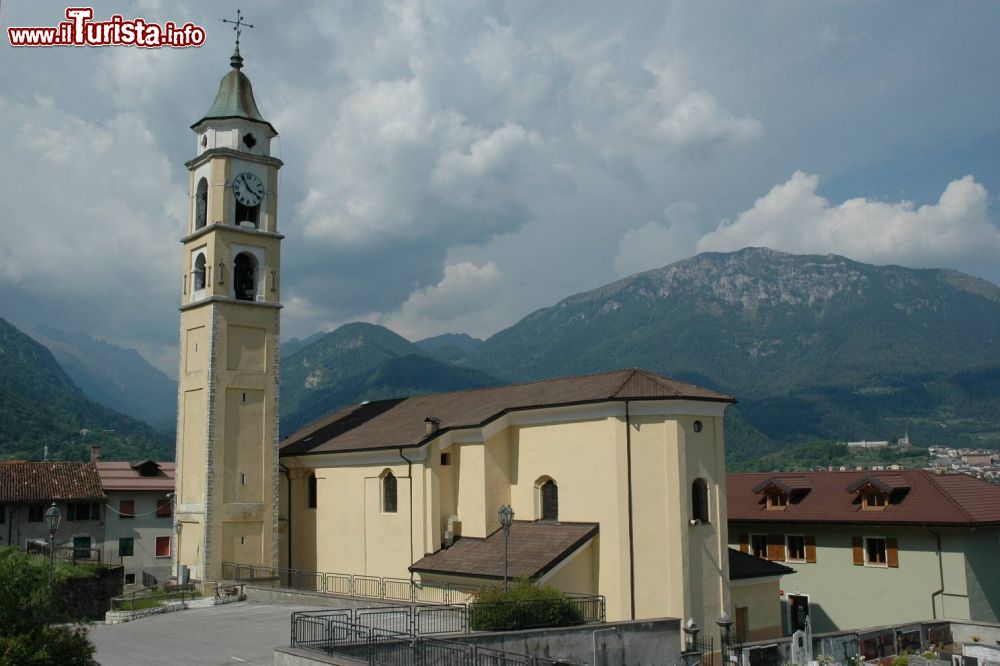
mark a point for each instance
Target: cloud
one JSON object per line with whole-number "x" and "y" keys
{"x": 465, "y": 290}
{"x": 794, "y": 218}
{"x": 655, "y": 243}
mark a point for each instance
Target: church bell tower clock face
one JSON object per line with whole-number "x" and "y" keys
{"x": 248, "y": 189}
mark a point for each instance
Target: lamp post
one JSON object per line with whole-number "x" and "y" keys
{"x": 52, "y": 517}
{"x": 725, "y": 625}
{"x": 506, "y": 518}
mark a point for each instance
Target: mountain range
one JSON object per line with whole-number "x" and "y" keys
{"x": 40, "y": 406}
{"x": 113, "y": 376}
{"x": 813, "y": 347}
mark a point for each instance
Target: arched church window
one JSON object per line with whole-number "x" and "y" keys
{"x": 201, "y": 204}
{"x": 389, "y": 493}
{"x": 699, "y": 500}
{"x": 550, "y": 500}
{"x": 199, "y": 272}
{"x": 245, "y": 276}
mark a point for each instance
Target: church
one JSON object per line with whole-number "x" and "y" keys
{"x": 616, "y": 480}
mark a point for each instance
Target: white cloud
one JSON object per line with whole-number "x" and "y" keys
{"x": 92, "y": 201}
{"x": 655, "y": 243}
{"x": 697, "y": 120}
{"x": 465, "y": 289}
{"x": 794, "y": 218}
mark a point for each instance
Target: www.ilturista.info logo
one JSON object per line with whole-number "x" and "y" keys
{"x": 80, "y": 30}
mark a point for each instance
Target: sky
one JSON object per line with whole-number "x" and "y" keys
{"x": 452, "y": 166}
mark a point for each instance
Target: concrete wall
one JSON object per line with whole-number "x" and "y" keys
{"x": 653, "y": 641}
{"x": 841, "y": 593}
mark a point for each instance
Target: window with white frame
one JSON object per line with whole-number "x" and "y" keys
{"x": 795, "y": 547}
{"x": 876, "y": 552}
{"x": 758, "y": 545}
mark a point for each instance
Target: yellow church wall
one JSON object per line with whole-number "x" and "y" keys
{"x": 470, "y": 489}
{"x": 496, "y": 472}
{"x": 579, "y": 573}
{"x": 192, "y": 464}
{"x": 701, "y": 456}
{"x": 654, "y": 520}
{"x": 588, "y": 465}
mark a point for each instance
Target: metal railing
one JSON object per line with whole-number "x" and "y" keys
{"x": 367, "y": 587}
{"x": 141, "y": 599}
{"x": 316, "y": 627}
{"x": 384, "y": 647}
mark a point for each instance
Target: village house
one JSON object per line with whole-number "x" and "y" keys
{"x": 28, "y": 489}
{"x": 139, "y": 518}
{"x": 869, "y": 548}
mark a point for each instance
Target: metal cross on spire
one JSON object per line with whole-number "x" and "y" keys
{"x": 237, "y": 61}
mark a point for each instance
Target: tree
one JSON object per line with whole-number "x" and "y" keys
{"x": 28, "y": 635}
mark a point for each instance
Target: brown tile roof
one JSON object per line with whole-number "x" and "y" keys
{"x": 48, "y": 481}
{"x": 744, "y": 565}
{"x": 921, "y": 498}
{"x": 125, "y": 476}
{"x": 398, "y": 423}
{"x": 535, "y": 548}
{"x": 785, "y": 484}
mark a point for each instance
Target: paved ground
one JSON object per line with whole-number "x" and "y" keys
{"x": 240, "y": 633}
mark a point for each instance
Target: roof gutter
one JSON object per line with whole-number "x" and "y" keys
{"x": 631, "y": 539}
{"x": 288, "y": 532}
{"x": 409, "y": 476}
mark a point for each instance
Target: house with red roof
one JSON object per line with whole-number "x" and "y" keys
{"x": 872, "y": 548}
{"x": 28, "y": 489}
{"x": 139, "y": 525}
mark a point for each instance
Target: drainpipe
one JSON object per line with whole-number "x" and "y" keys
{"x": 631, "y": 540}
{"x": 940, "y": 573}
{"x": 10, "y": 522}
{"x": 288, "y": 532}
{"x": 409, "y": 475}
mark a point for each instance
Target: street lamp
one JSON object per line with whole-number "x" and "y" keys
{"x": 52, "y": 517}
{"x": 506, "y": 518}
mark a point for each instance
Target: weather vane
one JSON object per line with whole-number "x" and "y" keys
{"x": 238, "y": 26}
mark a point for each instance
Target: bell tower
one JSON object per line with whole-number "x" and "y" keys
{"x": 227, "y": 416}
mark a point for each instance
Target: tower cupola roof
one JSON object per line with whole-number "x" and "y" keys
{"x": 235, "y": 97}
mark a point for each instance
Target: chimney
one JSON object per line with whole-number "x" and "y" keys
{"x": 431, "y": 425}
{"x": 95, "y": 453}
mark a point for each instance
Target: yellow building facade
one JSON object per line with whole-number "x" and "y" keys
{"x": 617, "y": 483}
{"x": 227, "y": 424}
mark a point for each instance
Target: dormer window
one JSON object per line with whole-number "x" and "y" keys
{"x": 777, "y": 500}
{"x": 878, "y": 492}
{"x": 874, "y": 500}
{"x": 780, "y": 492}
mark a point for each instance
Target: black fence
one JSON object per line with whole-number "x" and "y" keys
{"x": 318, "y": 627}
{"x": 382, "y": 647}
{"x": 365, "y": 587}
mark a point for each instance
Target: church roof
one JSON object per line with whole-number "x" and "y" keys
{"x": 385, "y": 424}
{"x": 235, "y": 98}
{"x": 535, "y": 548}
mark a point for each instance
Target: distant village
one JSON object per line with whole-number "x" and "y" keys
{"x": 979, "y": 463}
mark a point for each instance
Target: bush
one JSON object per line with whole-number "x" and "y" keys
{"x": 524, "y": 606}
{"x": 28, "y": 636}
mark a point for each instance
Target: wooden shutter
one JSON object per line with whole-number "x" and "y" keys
{"x": 892, "y": 553}
{"x": 859, "y": 551}
{"x": 810, "y": 548}
{"x": 776, "y": 547}
{"x": 744, "y": 543}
